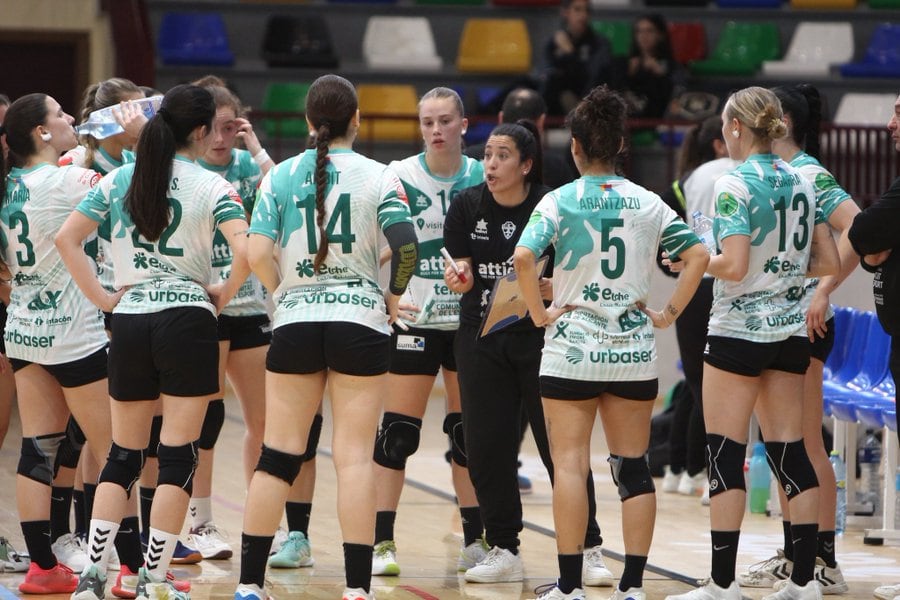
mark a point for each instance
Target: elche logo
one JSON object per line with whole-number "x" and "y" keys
{"x": 591, "y": 292}
{"x": 422, "y": 201}
{"x": 508, "y": 229}
{"x": 305, "y": 268}
{"x": 481, "y": 226}
{"x": 140, "y": 261}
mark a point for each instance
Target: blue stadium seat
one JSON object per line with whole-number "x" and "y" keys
{"x": 843, "y": 321}
{"x": 889, "y": 416}
{"x": 193, "y": 39}
{"x": 882, "y": 57}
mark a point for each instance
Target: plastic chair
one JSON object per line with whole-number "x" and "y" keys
{"x": 853, "y": 358}
{"x": 884, "y": 3}
{"x": 494, "y": 46}
{"x": 889, "y": 416}
{"x": 882, "y": 57}
{"x": 388, "y": 100}
{"x": 857, "y": 109}
{"x": 412, "y": 49}
{"x": 749, "y": 3}
{"x": 286, "y": 97}
{"x": 741, "y": 49}
{"x": 618, "y": 33}
{"x": 193, "y": 39}
{"x": 302, "y": 41}
{"x": 688, "y": 41}
{"x": 813, "y": 49}
{"x": 848, "y": 4}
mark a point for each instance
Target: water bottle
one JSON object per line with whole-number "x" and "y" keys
{"x": 760, "y": 477}
{"x": 870, "y": 483}
{"x": 840, "y": 477}
{"x": 703, "y": 228}
{"x": 102, "y": 123}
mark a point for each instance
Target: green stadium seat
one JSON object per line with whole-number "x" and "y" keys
{"x": 286, "y": 97}
{"x": 884, "y": 4}
{"x": 618, "y": 33}
{"x": 741, "y": 49}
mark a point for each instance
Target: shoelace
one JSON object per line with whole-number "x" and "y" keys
{"x": 762, "y": 565}
{"x": 387, "y": 548}
{"x": 544, "y": 589}
{"x": 493, "y": 557}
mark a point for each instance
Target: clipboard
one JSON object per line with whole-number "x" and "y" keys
{"x": 507, "y": 305}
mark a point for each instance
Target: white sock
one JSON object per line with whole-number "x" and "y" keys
{"x": 201, "y": 512}
{"x": 101, "y": 536}
{"x": 160, "y": 548}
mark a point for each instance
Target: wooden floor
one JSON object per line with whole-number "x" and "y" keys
{"x": 428, "y": 532}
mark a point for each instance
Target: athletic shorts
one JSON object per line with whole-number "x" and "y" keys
{"x": 107, "y": 321}
{"x": 2, "y": 328}
{"x": 750, "y": 359}
{"x": 173, "y": 352}
{"x": 74, "y": 373}
{"x": 422, "y": 351}
{"x": 558, "y": 388}
{"x": 821, "y": 348}
{"x": 244, "y": 332}
{"x": 348, "y": 348}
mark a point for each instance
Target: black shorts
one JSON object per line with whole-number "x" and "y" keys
{"x": 75, "y": 373}
{"x": 348, "y": 348}
{"x": 750, "y": 359}
{"x": 821, "y": 348}
{"x": 558, "y": 388}
{"x": 107, "y": 321}
{"x": 2, "y": 328}
{"x": 422, "y": 351}
{"x": 173, "y": 352}
{"x": 251, "y": 331}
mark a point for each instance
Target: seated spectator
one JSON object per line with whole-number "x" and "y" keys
{"x": 650, "y": 75}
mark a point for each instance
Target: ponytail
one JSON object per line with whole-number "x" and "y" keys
{"x": 323, "y": 136}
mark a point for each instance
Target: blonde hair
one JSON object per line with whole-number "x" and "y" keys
{"x": 758, "y": 109}
{"x": 100, "y": 95}
{"x": 444, "y": 92}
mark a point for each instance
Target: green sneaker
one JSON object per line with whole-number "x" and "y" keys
{"x": 91, "y": 584}
{"x": 295, "y": 552}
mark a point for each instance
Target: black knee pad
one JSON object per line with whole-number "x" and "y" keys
{"x": 177, "y": 465}
{"x": 312, "y": 442}
{"x": 279, "y": 464}
{"x": 453, "y": 427}
{"x": 397, "y": 440}
{"x": 155, "y": 429}
{"x": 725, "y": 459}
{"x": 631, "y": 475}
{"x": 212, "y": 424}
{"x": 71, "y": 446}
{"x": 791, "y": 466}
{"x": 123, "y": 467}
{"x": 38, "y": 457}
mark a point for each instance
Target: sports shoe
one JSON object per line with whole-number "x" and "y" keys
{"x": 670, "y": 480}
{"x": 357, "y": 594}
{"x": 887, "y": 592}
{"x": 831, "y": 580}
{"x": 150, "y": 588}
{"x": 294, "y": 553}
{"x": 250, "y": 591}
{"x": 185, "y": 555}
{"x": 498, "y": 566}
{"x": 471, "y": 555}
{"x": 525, "y": 486}
{"x": 281, "y": 537}
{"x": 765, "y": 573}
{"x": 91, "y": 584}
{"x": 691, "y": 485}
{"x": 384, "y": 559}
{"x": 788, "y": 590}
{"x": 10, "y": 560}
{"x": 629, "y": 594}
{"x": 58, "y": 580}
{"x": 113, "y": 563}
{"x": 551, "y": 591}
{"x": 593, "y": 570}
{"x": 710, "y": 591}
{"x": 210, "y": 542}
{"x": 69, "y": 550}
{"x": 127, "y": 581}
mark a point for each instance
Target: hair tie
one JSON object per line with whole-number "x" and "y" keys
{"x": 162, "y": 112}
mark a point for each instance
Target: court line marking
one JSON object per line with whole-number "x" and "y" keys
{"x": 6, "y": 594}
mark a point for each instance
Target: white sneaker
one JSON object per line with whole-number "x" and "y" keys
{"x": 471, "y": 555}
{"x": 629, "y": 594}
{"x": 766, "y": 573}
{"x": 210, "y": 542}
{"x": 550, "y": 591}
{"x": 831, "y": 580}
{"x": 887, "y": 592}
{"x": 499, "y": 566}
{"x": 357, "y": 594}
{"x": 113, "y": 564}
{"x": 10, "y": 560}
{"x": 788, "y": 590}
{"x": 69, "y": 551}
{"x": 384, "y": 559}
{"x": 691, "y": 486}
{"x": 711, "y": 591}
{"x": 281, "y": 536}
{"x": 704, "y": 499}
{"x": 250, "y": 591}
{"x": 593, "y": 570}
{"x": 670, "y": 480}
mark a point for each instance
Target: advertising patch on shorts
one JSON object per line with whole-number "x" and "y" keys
{"x": 411, "y": 342}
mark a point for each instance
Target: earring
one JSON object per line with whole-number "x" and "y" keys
{"x": 736, "y": 133}
{"x": 46, "y": 136}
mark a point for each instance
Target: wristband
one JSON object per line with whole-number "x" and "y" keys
{"x": 261, "y": 157}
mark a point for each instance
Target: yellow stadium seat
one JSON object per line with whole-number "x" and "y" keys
{"x": 388, "y": 100}
{"x": 494, "y": 46}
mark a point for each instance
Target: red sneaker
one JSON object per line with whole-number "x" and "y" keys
{"x": 58, "y": 580}
{"x": 126, "y": 583}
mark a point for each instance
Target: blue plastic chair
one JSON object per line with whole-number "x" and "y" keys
{"x": 882, "y": 57}
{"x": 871, "y": 414}
{"x": 874, "y": 362}
{"x": 853, "y": 358}
{"x": 194, "y": 39}
{"x": 889, "y": 416}
{"x": 749, "y": 3}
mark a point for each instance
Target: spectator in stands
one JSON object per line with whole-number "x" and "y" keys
{"x": 651, "y": 73}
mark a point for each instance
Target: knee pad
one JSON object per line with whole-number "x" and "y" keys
{"x": 279, "y": 464}
{"x": 397, "y": 440}
{"x": 631, "y": 475}
{"x": 123, "y": 467}
{"x": 177, "y": 465}
{"x": 38, "y": 457}
{"x": 70, "y": 448}
{"x": 212, "y": 424}
{"x": 312, "y": 442}
{"x": 453, "y": 427}
{"x": 791, "y": 466}
{"x": 155, "y": 429}
{"x": 725, "y": 459}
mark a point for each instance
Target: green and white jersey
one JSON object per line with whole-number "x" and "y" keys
{"x": 172, "y": 271}
{"x": 49, "y": 320}
{"x": 363, "y": 197}
{"x": 243, "y": 174}
{"x": 773, "y": 204}
{"x": 429, "y": 198}
{"x": 605, "y": 231}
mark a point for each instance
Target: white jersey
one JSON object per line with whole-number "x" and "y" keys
{"x": 49, "y": 320}
{"x": 698, "y": 187}
{"x": 429, "y": 198}
{"x": 605, "y": 231}
{"x": 173, "y": 270}
{"x": 363, "y": 197}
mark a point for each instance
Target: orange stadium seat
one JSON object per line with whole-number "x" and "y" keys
{"x": 388, "y": 100}
{"x": 494, "y": 46}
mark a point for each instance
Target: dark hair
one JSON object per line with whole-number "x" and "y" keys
{"x": 4, "y": 100}
{"x": 598, "y": 123}
{"x": 523, "y": 103}
{"x": 663, "y": 47}
{"x": 525, "y": 135}
{"x": 330, "y": 106}
{"x": 149, "y": 91}
{"x": 100, "y": 95}
{"x": 223, "y": 95}
{"x": 697, "y": 147}
{"x": 22, "y": 117}
{"x": 803, "y": 103}
{"x": 183, "y": 109}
